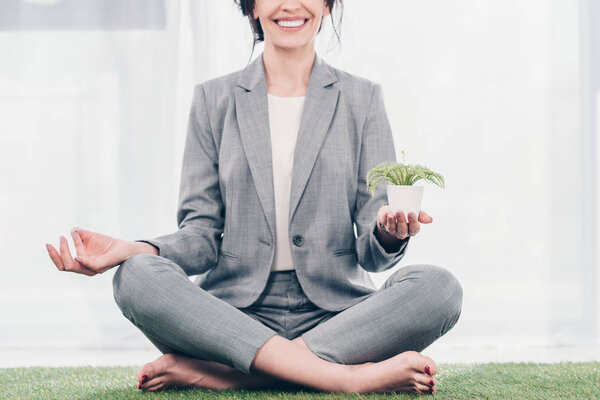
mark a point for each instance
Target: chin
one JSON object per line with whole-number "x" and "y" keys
{"x": 289, "y": 45}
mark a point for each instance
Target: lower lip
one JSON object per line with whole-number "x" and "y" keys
{"x": 293, "y": 28}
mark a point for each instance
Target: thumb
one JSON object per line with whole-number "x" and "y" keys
{"x": 90, "y": 262}
{"x": 83, "y": 265}
{"x": 424, "y": 217}
{"x": 83, "y": 260}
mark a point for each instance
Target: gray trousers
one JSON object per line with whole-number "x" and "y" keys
{"x": 416, "y": 305}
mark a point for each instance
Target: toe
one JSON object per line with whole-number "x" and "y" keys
{"x": 146, "y": 378}
{"x": 140, "y": 373}
{"x": 156, "y": 386}
{"x": 425, "y": 379}
{"x": 152, "y": 381}
{"x": 147, "y": 371}
{"x": 155, "y": 368}
{"x": 428, "y": 366}
{"x": 422, "y": 389}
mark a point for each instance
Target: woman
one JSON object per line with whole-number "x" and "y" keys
{"x": 273, "y": 182}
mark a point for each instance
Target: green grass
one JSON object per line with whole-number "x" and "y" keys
{"x": 455, "y": 381}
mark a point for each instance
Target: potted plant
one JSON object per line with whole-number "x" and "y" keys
{"x": 402, "y": 193}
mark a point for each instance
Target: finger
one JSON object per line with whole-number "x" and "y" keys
{"x": 87, "y": 263}
{"x": 391, "y": 223}
{"x": 425, "y": 218}
{"x": 79, "y": 247}
{"x": 413, "y": 224}
{"x": 97, "y": 264}
{"x": 65, "y": 254}
{"x": 382, "y": 214}
{"x": 55, "y": 257}
{"x": 83, "y": 233}
{"x": 402, "y": 227}
{"x": 400, "y": 217}
{"x": 85, "y": 270}
{"x": 68, "y": 262}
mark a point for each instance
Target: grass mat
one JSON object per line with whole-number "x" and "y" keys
{"x": 454, "y": 381}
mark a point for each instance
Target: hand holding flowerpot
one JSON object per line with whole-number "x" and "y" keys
{"x": 404, "y": 198}
{"x": 395, "y": 223}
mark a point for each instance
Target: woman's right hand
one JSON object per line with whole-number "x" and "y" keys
{"x": 96, "y": 253}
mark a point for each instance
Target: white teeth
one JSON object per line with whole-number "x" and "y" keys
{"x": 290, "y": 24}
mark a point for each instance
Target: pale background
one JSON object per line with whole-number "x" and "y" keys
{"x": 501, "y": 97}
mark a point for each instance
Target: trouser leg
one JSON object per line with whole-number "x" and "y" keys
{"x": 416, "y": 305}
{"x": 156, "y": 295}
{"x": 163, "y": 348}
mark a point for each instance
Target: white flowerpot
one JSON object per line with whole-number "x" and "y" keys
{"x": 406, "y": 198}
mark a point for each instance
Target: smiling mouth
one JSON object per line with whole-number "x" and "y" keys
{"x": 291, "y": 24}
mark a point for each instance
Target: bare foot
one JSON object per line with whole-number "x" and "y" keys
{"x": 406, "y": 372}
{"x": 178, "y": 370}
{"x": 182, "y": 371}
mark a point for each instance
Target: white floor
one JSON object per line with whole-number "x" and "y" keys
{"x": 10, "y": 358}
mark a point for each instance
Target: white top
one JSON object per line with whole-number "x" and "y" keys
{"x": 284, "y": 122}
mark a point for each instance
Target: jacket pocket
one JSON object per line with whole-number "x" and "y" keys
{"x": 227, "y": 254}
{"x": 343, "y": 252}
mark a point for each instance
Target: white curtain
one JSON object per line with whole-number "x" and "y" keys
{"x": 499, "y": 97}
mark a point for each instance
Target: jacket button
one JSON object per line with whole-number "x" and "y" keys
{"x": 298, "y": 240}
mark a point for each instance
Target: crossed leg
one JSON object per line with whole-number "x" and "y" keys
{"x": 177, "y": 366}
{"x": 176, "y": 369}
{"x": 416, "y": 305}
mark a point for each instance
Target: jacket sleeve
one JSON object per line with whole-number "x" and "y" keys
{"x": 377, "y": 146}
{"x": 200, "y": 213}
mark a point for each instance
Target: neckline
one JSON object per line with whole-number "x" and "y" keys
{"x": 286, "y": 97}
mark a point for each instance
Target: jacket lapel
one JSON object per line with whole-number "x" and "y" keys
{"x": 253, "y": 120}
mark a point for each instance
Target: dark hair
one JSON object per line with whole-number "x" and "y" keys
{"x": 247, "y": 8}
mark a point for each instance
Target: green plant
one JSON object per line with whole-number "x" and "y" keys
{"x": 401, "y": 174}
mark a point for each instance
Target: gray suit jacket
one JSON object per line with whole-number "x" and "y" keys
{"x": 226, "y": 210}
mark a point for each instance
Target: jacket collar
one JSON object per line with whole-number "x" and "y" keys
{"x": 254, "y": 73}
{"x": 253, "y": 121}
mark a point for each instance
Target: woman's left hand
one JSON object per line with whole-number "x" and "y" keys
{"x": 396, "y": 225}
